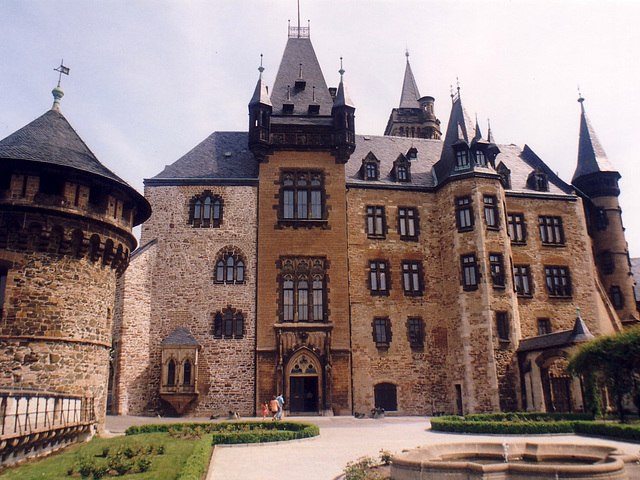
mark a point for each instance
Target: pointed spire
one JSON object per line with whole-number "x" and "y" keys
{"x": 591, "y": 155}
{"x": 580, "y": 332}
{"x": 261, "y": 93}
{"x": 342, "y": 97}
{"x": 410, "y": 94}
{"x": 478, "y": 133}
{"x": 489, "y": 133}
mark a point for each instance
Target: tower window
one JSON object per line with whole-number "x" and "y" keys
{"x": 551, "y": 231}
{"x": 206, "y": 210}
{"x": 469, "y": 272}
{"x": 462, "y": 159}
{"x": 376, "y": 222}
{"x": 302, "y": 195}
{"x": 558, "y": 281}
{"x": 382, "y": 331}
{"x": 502, "y": 325}
{"x": 491, "y": 212}
{"x": 516, "y": 228}
{"x": 617, "y": 299}
{"x": 303, "y": 290}
{"x": 481, "y": 159}
{"x": 464, "y": 213}
{"x": 522, "y": 280}
{"x": 497, "y": 269}
{"x": 607, "y": 263}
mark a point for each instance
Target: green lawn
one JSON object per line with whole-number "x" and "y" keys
{"x": 166, "y": 466}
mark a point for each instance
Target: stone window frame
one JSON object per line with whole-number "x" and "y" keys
{"x": 370, "y": 167}
{"x": 551, "y": 230}
{"x": 607, "y": 262}
{"x": 401, "y": 169}
{"x": 522, "y": 280}
{"x": 381, "y": 331}
{"x": 379, "y": 277}
{"x": 616, "y": 296}
{"x": 470, "y": 271}
{"x": 375, "y": 222}
{"x": 464, "y": 213}
{"x": 558, "y": 281}
{"x": 229, "y": 323}
{"x": 415, "y": 331}
{"x": 206, "y": 210}
{"x": 294, "y": 304}
{"x": 491, "y": 216}
{"x": 517, "y": 228}
{"x": 544, "y": 326}
{"x": 496, "y": 270}
{"x": 412, "y": 282}
{"x": 408, "y": 221}
{"x": 302, "y": 197}
{"x": 238, "y": 267}
{"x": 503, "y": 326}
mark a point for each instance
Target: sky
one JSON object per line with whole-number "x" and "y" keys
{"x": 150, "y": 79}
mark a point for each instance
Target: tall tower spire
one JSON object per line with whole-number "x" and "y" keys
{"x": 415, "y": 116}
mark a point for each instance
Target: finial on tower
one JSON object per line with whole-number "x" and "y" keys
{"x": 341, "y": 71}
{"x": 57, "y": 92}
{"x": 261, "y": 68}
{"x": 580, "y": 99}
{"x": 406, "y": 53}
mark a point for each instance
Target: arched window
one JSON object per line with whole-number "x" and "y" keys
{"x": 230, "y": 268}
{"x": 228, "y": 323}
{"x": 186, "y": 373}
{"x": 171, "y": 373}
{"x": 206, "y": 210}
{"x": 303, "y": 290}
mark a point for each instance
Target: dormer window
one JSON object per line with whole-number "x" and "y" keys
{"x": 505, "y": 175}
{"x": 402, "y": 169}
{"x": 481, "y": 159}
{"x": 462, "y": 159}
{"x": 370, "y": 167}
{"x": 538, "y": 181}
{"x": 412, "y": 154}
{"x": 314, "y": 109}
{"x": 287, "y": 108}
{"x": 402, "y": 173}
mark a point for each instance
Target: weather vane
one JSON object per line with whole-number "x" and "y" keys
{"x": 61, "y": 69}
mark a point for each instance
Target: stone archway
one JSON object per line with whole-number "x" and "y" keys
{"x": 556, "y": 381}
{"x": 303, "y": 382}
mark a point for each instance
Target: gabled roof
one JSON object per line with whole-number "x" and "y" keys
{"x": 222, "y": 156}
{"x": 410, "y": 94}
{"x": 180, "y": 337}
{"x": 50, "y": 139}
{"x": 578, "y": 334}
{"x": 300, "y": 57}
{"x": 591, "y": 156}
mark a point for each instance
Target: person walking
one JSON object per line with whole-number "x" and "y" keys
{"x": 265, "y": 410}
{"x": 274, "y": 406}
{"x": 280, "y": 400}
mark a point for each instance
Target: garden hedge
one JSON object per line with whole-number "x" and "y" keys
{"x": 198, "y": 462}
{"x": 534, "y": 424}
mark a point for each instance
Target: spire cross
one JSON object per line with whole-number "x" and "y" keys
{"x": 61, "y": 69}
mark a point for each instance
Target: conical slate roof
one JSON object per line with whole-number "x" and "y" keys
{"x": 180, "y": 337}
{"x": 261, "y": 94}
{"x": 410, "y": 94}
{"x": 51, "y": 139}
{"x": 299, "y": 62}
{"x": 342, "y": 97}
{"x": 591, "y": 156}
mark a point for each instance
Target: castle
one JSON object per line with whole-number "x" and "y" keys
{"x": 423, "y": 271}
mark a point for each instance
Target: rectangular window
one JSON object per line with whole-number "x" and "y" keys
{"x": 381, "y": 331}
{"x": 408, "y": 223}
{"x": 496, "y": 268}
{"x": 469, "y": 272}
{"x": 464, "y": 213}
{"x": 551, "y": 232}
{"x": 617, "y": 299}
{"x": 516, "y": 228}
{"x": 415, "y": 331}
{"x": 462, "y": 159}
{"x": 302, "y": 287}
{"x": 522, "y": 280}
{"x": 558, "y": 281}
{"x": 491, "y": 212}
{"x": 378, "y": 277}
{"x": 502, "y": 325}
{"x": 411, "y": 281}
{"x": 544, "y": 326}
{"x": 301, "y": 195}
{"x": 607, "y": 263}
{"x": 376, "y": 225}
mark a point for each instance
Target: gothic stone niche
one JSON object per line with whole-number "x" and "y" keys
{"x": 178, "y": 385}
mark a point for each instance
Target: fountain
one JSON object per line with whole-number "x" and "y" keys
{"x": 517, "y": 460}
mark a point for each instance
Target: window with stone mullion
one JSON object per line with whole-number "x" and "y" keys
{"x": 407, "y": 223}
{"x": 303, "y": 291}
{"x": 558, "y": 281}
{"x": 411, "y": 281}
{"x": 376, "y": 225}
{"x": 551, "y": 231}
{"x": 301, "y": 195}
{"x": 378, "y": 277}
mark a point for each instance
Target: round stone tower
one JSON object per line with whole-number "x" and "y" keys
{"x": 65, "y": 236}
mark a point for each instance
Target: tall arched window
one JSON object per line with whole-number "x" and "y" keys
{"x": 230, "y": 268}
{"x": 171, "y": 373}
{"x": 206, "y": 210}
{"x": 186, "y": 372}
{"x": 303, "y": 290}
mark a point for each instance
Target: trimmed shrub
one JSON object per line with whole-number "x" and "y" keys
{"x": 197, "y": 464}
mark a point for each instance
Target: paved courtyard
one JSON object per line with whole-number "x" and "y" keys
{"x": 341, "y": 440}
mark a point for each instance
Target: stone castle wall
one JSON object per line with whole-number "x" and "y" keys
{"x": 176, "y": 277}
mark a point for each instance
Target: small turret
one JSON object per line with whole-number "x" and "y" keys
{"x": 260, "y": 109}
{"x": 343, "y": 113}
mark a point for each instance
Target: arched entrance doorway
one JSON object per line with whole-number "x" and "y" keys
{"x": 556, "y": 382}
{"x": 304, "y": 382}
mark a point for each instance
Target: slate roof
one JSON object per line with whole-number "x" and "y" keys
{"x": 591, "y": 156}
{"x": 300, "y": 51}
{"x": 51, "y": 139}
{"x": 180, "y": 337}
{"x": 410, "y": 94}
{"x": 221, "y": 156}
{"x": 578, "y": 334}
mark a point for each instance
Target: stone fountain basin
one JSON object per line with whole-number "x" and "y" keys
{"x": 527, "y": 460}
